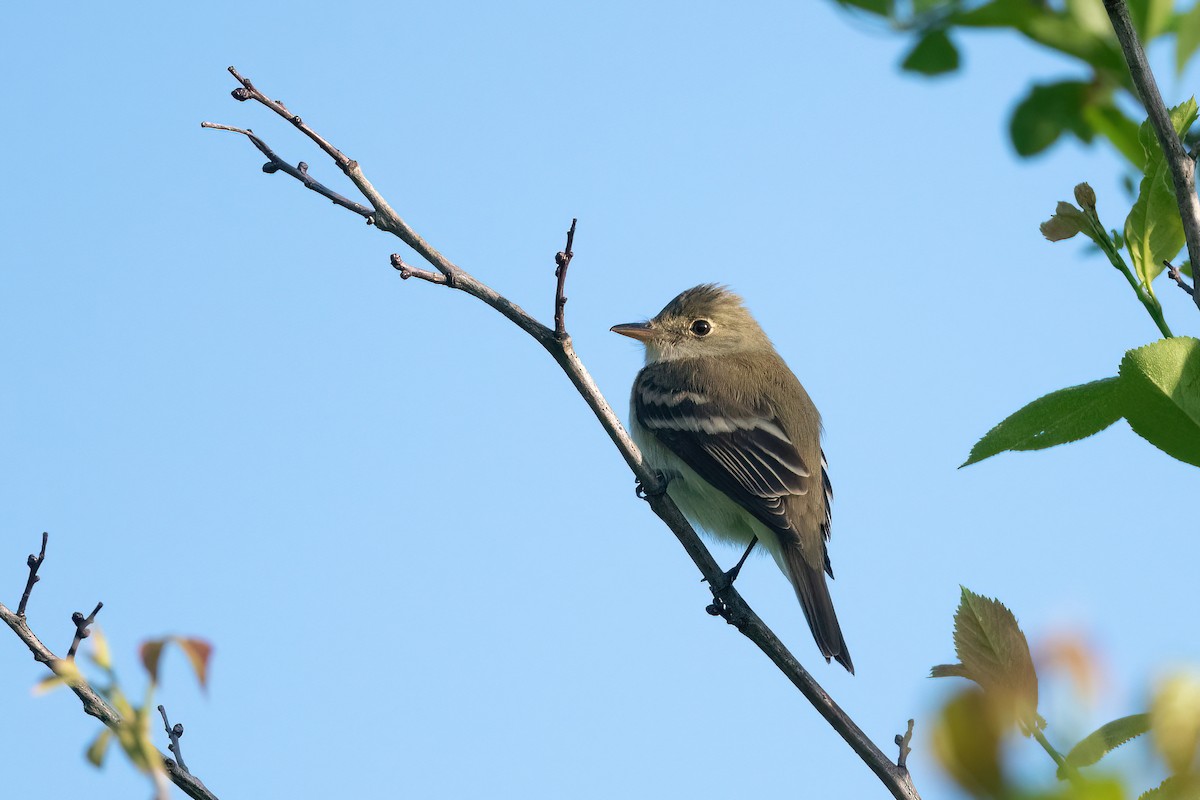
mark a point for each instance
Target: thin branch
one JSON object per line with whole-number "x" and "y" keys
{"x": 1172, "y": 272}
{"x": 174, "y": 732}
{"x": 34, "y": 562}
{"x": 734, "y": 607}
{"x": 299, "y": 172}
{"x": 81, "y": 628}
{"x": 902, "y": 741}
{"x": 1183, "y": 168}
{"x": 93, "y": 704}
{"x": 408, "y": 271}
{"x": 562, "y": 261}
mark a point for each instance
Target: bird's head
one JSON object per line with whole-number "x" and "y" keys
{"x": 707, "y": 320}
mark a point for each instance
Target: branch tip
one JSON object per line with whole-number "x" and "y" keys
{"x": 33, "y": 562}
{"x": 1174, "y": 274}
{"x": 562, "y": 261}
{"x": 81, "y": 628}
{"x": 902, "y": 741}
{"x": 174, "y": 733}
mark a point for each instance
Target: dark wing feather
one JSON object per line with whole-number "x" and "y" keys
{"x": 741, "y": 450}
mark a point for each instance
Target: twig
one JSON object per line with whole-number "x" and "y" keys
{"x": 737, "y": 611}
{"x": 34, "y": 563}
{"x": 562, "y": 261}
{"x": 902, "y": 741}
{"x": 1183, "y": 168}
{"x": 299, "y": 172}
{"x": 174, "y": 732}
{"x": 93, "y": 704}
{"x": 1172, "y": 272}
{"x": 81, "y": 628}
{"x": 408, "y": 271}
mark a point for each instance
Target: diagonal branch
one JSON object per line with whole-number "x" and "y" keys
{"x": 93, "y": 704}
{"x": 1183, "y": 168}
{"x": 558, "y": 344}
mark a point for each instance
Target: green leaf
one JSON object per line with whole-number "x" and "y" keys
{"x": 1057, "y": 418}
{"x": 881, "y": 7}
{"x": 1111, "y": 123}
{"x": 1048, "y": 111}
{"x": 98, "y": 749}
{"x": 934, "y": 54}
{"x": 1175, "y": 787}
{"x": 1090, "y": 16}
{"x": 993, "y": 653}
{"x": 997, "y": 14}
{"x": 1188, "y": 38}
{"x": 1105, "y": 739}
{"x": 1153, "y": 229}
{"x": 1151, "y": 18}
{"x": 1161, "y": 395}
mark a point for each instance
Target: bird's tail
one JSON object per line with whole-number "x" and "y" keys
{"x": 813, "y": 593}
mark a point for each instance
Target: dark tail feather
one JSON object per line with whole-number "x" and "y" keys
{"x": 813, "y": 593}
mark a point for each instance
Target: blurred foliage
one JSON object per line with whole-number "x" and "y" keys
{"x": 973, "y": 733}
{"x": 1092, "y": 104}
{"x": 135, "y": 734}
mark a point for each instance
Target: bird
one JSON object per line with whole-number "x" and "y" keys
{"x": 718, "y": 413}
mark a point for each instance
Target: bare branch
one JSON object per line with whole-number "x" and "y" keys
{"x": 902, "y": 741}
{"x": 1183, "y": 168}
{"x": 562, "y": 261}
{"x": 34, "y": 562}
{"x": 558, "y": 344}
{"x": 81, "y": 628}
{"x": 174, "y": 732}
{"x": 93, "y": 704}
{"x": 299, "y": 172}
{"x": 1173, "y": 273}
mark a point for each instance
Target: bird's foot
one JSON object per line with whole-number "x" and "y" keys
{"x": 647, "y": 494}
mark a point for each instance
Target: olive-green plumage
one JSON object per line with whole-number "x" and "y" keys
{"x": 719, "y": 413}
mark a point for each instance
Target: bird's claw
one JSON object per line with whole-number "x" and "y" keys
{"x": 646, "y": 494}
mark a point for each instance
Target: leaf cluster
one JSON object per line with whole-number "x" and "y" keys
{"x": 134, "y": 734}
{"x": 1088, "y": 105}
{"x": 972, "y": 727}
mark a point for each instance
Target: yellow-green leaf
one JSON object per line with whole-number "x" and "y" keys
{"x": 1105, "y": 739}
{"x": 1187, "y": 38}
{"x": 98, "y": 749}
{"x": 966, "y": 740}
{"x": 1153, "y": 229}
{"x": 1161, "y": 395}
{"x": 993, "y": 652}
{"x": 1175, "y": 722}
{"x": 100, "y": 655}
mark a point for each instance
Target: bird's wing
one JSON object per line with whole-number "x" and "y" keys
{"x": 740, "y": 449}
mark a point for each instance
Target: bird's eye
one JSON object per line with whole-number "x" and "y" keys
{"x": 701, "y": 327}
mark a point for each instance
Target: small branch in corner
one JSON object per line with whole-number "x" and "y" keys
{"x": 1174, "y": 274}
{"x": 408, "y": 271}
{"x": 34, "y": 563}
{"x": 173, "y": 733}
{"x": 81, "y": 628}
{"x": 902, "y": 741}
{"x": 562, "y": 260}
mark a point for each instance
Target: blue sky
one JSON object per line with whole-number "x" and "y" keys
{"x": 420, "y": 560}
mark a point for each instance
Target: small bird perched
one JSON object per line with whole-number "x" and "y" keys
{"x": 720, "y": 415}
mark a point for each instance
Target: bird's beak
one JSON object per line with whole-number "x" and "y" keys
{"x": 642, "y": 331}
